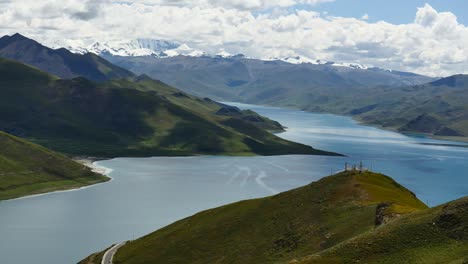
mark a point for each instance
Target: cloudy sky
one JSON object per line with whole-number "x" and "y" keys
{"x": 427, "y": 37}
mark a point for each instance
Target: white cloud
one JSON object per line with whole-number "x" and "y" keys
{"x": 434, "y": 44}
{"x": 365, "y": 17}
{"x": 229, "y": 4}
{"x": 426, "y": 16}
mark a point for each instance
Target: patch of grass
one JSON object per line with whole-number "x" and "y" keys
{"x": 384, "y": 188}
{"x": 437, "y": 235}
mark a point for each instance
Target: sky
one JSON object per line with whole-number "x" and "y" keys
{"x": 425, "y": 37}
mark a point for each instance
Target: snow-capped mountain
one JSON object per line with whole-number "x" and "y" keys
{"x": 163, "y": 49}
{"x": 301, "y": 60}
{"x": 223, "y": 54}
{"x": 183, "y": 50}
{"x": 134, "y": 48}
{"x": 139, "y": 47}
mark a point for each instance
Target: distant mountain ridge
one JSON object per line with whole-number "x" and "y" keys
{"x": 59, "y": 62}
{"x": 238, "y": 78}
{"x": 144, "y": 47}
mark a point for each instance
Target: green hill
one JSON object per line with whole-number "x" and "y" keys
{"x": 128, "y": 117}
{"x": 59, "y": 62}
{"x": 27, "y": 169}
{"x": 437, "y": 235}
{"x": 279, "y": 228}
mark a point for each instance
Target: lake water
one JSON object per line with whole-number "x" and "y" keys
{"x": 149, "y": 193}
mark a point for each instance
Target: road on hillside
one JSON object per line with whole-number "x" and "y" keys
{"x": 109, "y": 255}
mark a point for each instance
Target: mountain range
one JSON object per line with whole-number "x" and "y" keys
{"x": 390, "y": 99}
{"x": 164, "y": 48}
{"x": 263, "y": 82}
{"x": 394, "y": 100}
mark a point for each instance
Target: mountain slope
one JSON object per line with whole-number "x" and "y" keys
{"x": 60, "y": 62}
{"x": 437, "y": 235}
{"x": 129, "y": 117}
{"x": 27, "y": 169}
{"x": 279, "y": 228}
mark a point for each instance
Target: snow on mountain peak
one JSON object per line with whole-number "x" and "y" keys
{"x": 184, "y": 50}
{"x": 300, "y": 60}
{"x": 138, "y": 47}
{"x": 223, "y": 53}
{"x": 164, "y": 48}
{"x": 351, "y": 65}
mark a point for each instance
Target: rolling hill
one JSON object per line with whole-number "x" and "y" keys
{"x": 128, "y": 117}
{"x": 278, "y": 229}
{"x": 60, "y": 62}
{"x": 27, "y": 169}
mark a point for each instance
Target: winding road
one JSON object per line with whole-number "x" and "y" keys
{"x": 109, "y": 255}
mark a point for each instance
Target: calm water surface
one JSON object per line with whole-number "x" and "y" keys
{"x": 149, "y": 193}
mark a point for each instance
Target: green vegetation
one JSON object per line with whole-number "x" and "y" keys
{"x": 437, "y": 235}
{"x": 27, "y": 169}
{"x": 279, "y": 228}
{"x": 129, "y": 117}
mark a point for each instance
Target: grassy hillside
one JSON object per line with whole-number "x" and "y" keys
{"x": 279, "y": 228}
{"x": 60, "y": 62}
{"x": 27, "y": 169}
{"x": 437, "y": 235}
{"x": 129, "y": 117}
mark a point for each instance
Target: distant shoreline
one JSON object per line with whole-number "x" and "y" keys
{"x": 360, "y": 121}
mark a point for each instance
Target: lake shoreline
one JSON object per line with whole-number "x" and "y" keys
{"x": 90, "y": 163}
{"x": 360, "y": 121}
